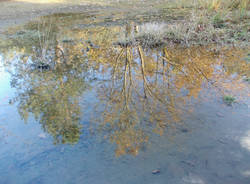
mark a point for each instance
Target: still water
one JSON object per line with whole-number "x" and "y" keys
{"x": 77, "y": 106}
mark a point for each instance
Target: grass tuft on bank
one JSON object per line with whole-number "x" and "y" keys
{"x": 220, "y": 22}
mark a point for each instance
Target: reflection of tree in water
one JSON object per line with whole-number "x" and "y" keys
{"x": 49, "y": 84}
{"x": 146, "y": 89}
{"x": 53, "y": 98}
{"x": 153, "y": 88}
{"x": 50, "y": 73}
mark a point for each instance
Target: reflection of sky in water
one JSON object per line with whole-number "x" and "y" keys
{"x": 201, "y": 146}
{"x": 245, "y": 141}
{"x": 4, "y": 82}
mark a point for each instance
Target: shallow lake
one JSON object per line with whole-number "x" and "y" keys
{"x": 81, "y": 103}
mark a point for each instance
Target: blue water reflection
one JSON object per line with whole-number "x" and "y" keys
{"x": 84, "y": 110}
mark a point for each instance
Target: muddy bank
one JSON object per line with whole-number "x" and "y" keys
{"x": 182, "y": 26}
{"x": 18, "y": 12}
{"x": 14, "y": 13}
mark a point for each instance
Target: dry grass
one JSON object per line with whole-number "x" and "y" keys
{"x": 202, "y": 28}
{"x": 151, "y": 34}
{"x": 211, "y": 21}
{"x": 197, "y": 30}
{"x": 210, "y": 4}
{"x": 221, "y": 22}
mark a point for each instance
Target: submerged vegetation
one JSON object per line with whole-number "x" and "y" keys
{"x": 229, "y": 100}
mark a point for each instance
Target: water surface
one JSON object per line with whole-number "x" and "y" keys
{"x": 76, "y": 107}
